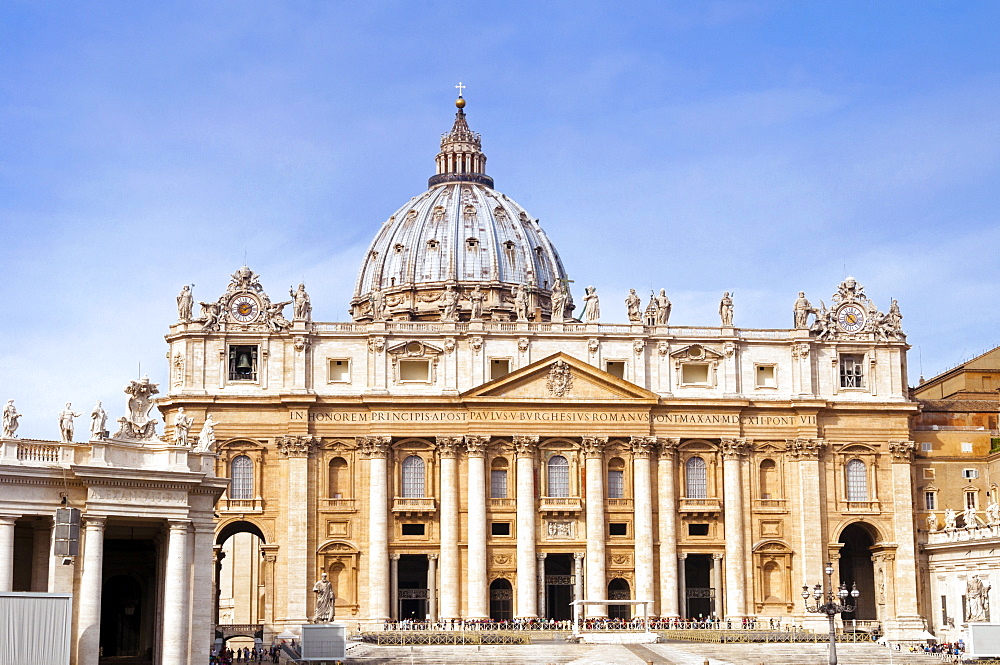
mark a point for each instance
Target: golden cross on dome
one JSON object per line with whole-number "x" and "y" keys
{"x": 461, "y": 88}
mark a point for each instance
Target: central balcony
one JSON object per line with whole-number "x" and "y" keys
{"x": 408, "y": 506}
{"x": 560, "y": 505}
{"x": 708, "y": 506}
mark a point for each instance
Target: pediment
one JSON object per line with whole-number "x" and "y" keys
{"x": 560, "y": 377}
{"x": 414, "y": 349}
{"x": 696, "y": 353}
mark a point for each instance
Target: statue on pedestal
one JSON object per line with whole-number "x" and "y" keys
{"x": 977, "y": 594}
{"x": 476, "y": 298}
{"x": 520, "y": 295}
{"x": 185, "y": 301}
{"x": 378, "y": 304}
{"x": 325, "y": 600}
{"x": 206, "y": 438}
{"x": 726, "y": 310}
{"x": 98, "y": 423}
{"x": 950, "y": 519}
{"x": 66, "y": 422}
{"x": 802, "y": 309}
{"x": 993, "y": 513}
{"x": 558, "y": 302}
{"x": 182, "y": 426}
{"x": 137, "y": 425}
{"x": 302, "y": 307}
{"x": 10, "y": 418}
{"x": 663, "y": 308}
{"x": 591, "y": 306}
{"x": 632, "y": 304}
{"x": 449, "y": 304}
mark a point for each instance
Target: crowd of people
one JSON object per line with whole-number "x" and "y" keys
{"x": 255, "y": 654}
{"x": 948, "y": 648}
{"x": 636, "y": 623}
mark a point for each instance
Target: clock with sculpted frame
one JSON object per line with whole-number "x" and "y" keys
{"x": 851, "y": 318}
{"x": 244, "y": 308}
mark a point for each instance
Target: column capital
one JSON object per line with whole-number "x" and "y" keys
{"x": 643, "y": 446}
{"x": 296, "y": 446}
{"x": 902, "y": 451}
{"x": 541, "y": 556}
{"x": 668, "y": 447}
{"x": 394, "y": 556}
{"x": 579, "y": 556}
{"x": 524, "y": 446}
{"x": 717, "y": 556}
{"x": 475, "y": 446}
{"x": 8, "y": 520}
{"x": 805, "y": 448}
{"x": 734, "y": 448}
{"x": 433, "y": 556}
{"x": 179, "y": 525}
{"x": 374, "y": 447}
{"x": 681, "y": 556}
{"x": 94, "y": 521}
{"x": 593, "y": 446}
{"x": 448, "y": 446}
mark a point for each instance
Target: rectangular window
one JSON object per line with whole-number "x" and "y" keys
{"x": 766, "y": 376}
{"x": 929, "y": 474}
{"x": 498, "y": 484}
{"x": 414, "y": 371}
{"x": 971, "y": 499}
{"x": 615, "y": 368}
{"x": 694, "y": 374}
{"x": 944, "y": 610}
{"x": 339, "y": 370}
{"x": 243, "y": 362}
{"x": 966, "y": 447}
{"x": 970, "y": 474}
{"x": 930, "y": 500}
{"x": 926, "y": 447}
{"x": 499, "y": 367}
{"x": 852, "y": 371}
{"x": 412, "y": 529}
{"x": 697, "y": 529}
{"x": 618, "y": 528}
{"x": 616, "y": 484}
{"x": 500, "y": 528}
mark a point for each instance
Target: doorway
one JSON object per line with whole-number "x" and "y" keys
{"x": 559, "y": 586}
{"x": 412, "y": 587}
{"x": 501, "y": 600}
{"x": 618, "y": 589}
{"x": 856, "y": 567}
{"x": 700, "y": 601}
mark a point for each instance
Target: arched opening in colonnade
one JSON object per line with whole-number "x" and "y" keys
{"x": 241, "y": 583}
{"x": 857, "y": 567}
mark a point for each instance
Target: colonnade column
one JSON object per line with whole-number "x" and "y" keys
{"x": 525, "y": 448}
{"x": 733, "y": 453}
{"x": 541, "y": 583}
{"x": 578, "y": 573}
{"x": 682, "y": 591}
{"x": 7, "y": 552}
{"x": 376, "y": 449}
{"x": 477, "y": 594}
{"x": 432, "y": 595}
{"x": 202, "y": 601}
{"x": 812, "y": 538}
{"x": 717, "y": 584}
{"x": 299, "y": 557}
{"x": 41, "y": 544}
{"x": 451, "y": 564}
{"x": 666, "y": 506}
{"x": 394, "y": 585}
{"x": 176, "y": 602}
{"x": 597, "y": 585}
{"x": 88, "y": 620}
{"x": 642, "y": 453}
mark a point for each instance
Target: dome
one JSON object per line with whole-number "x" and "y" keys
{"x": 460, "y": 237}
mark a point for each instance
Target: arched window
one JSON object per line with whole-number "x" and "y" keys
{"x": 337, "y": 478}
{"x": 769, "y": 480}
{"x": 241, "y": 470}
{"x": 558, "y": 469}
{"x": 616, "y": 478}
{"x": 618, "y": 589}
{"x": 498, "y": 479}
{"x": 857, "y": 481}
{"x": 696, "y": 478}
{"x": 413, "y": 477}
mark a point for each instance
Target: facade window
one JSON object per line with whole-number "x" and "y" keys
{"x": 340, "y": 370}
{"x": 966, "y": 446}
{"x": 337, "y": 477}
{"x": 616, "y": 483}
{"x": 615, "y": 368}
{"x": 413, "y": 477}
{"x": 970, "y": 474}
{"x": 852, "y": 371}
{"x": 930, "y": 500}
{"x": 500, "y": 528}
{"x": 694, "y": 374}
{"x": 498, "y": 484}
{"x": 766, "y": 377}
{"x": 414, "y": 371}
{"x": 241, "y": 469}
{"x": 971, "y": 499}
{"x": 857, "y": 481}
{"x": 696, "y": 478}
{"x": 242, "y": 362}
{"x": 558, "y": 476}
{"x": 768, "y": 479}
{"x": 499, "y": 367}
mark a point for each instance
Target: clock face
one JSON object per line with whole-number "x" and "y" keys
{"x": 244, "y": 309}
{"x": 851, "y": 318}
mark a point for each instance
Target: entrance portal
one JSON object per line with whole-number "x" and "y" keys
{"x": 128, "y": 607}
{"x": 618, "y": 590}
{"x": 412, "y": 585}
{"x": 856, "y": 568}
{"x": 700, "y": 594}
{"x": 501, "y": 600}
{"x": 559, "y": 586}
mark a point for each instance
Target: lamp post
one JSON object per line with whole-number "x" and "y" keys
{"x": 836, "y": 602}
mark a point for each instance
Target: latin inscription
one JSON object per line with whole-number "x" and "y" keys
{"x": 548, "y": 416}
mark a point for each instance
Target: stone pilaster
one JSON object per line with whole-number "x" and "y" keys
{"x": 451, "y": 579}
{"x": 734, "y": 451}
{"x": 907, "y": 624}
{"x": 643, "y": 448}
{"x": 298, "y": 556}
{"x": 88, "y": 611}
{"x": 376, "y": 449}
{"x": 477, "y": 592}
{"x": 667, "y": 527}
{"x": 7, "y": 552}
{"x": 525, "y": 448}
{"x": 811, "y": 518}
{"x": 175, "y": 645}
{"x": 597, "y": 585}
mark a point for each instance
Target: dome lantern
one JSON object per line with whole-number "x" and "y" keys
{"x": 461, "y": 158}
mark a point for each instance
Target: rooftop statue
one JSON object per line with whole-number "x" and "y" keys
{"x": 66, "y": 423}
{"x": 633, "y": 303}
{"x": 10, "y": 418}
{"x": 591, "y": 306}
{"x": 663, "y": 308}
{"x": 98, "y": 423}
{"x": 185, "y": 301}
{"x": 302, "y": 307}
{"x": 726, "y": 310}
{"x": 206, "y": 438}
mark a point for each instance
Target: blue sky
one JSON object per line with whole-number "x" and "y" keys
{"x": 757, "y": 147}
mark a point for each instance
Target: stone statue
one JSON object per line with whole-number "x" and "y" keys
{"x": 520, "y": 295}
{"x": 10, "y": 418}
{"x": 632, "y": 304}
{"x": 476, "y": 298}
{"x": 802, "y": 309}
{"x": 325, "y": 600}
{"x": 377, "y": 299}
{"x": 950, "y": 519}
{"x": 137, "y": 425}
{"x": 98, "y": 423}
{"x": 449, "y": 304}
{"x": 970, "y": 518}
{"x": 978, "y": 598}
{"x": 726, "y": 309}
{"x": 931, "y": 522}
{"x": 302, "y": 306}
{"x": 558, "y": 302}
{"x": 663, "y": 308}
{"x": 591, "y": 306}
{"x": 894, "y": 319}
{"x": 993, "y": 512}
{"x": 182, "y": 426}
{"x": 209, "y": 315}
{"x": 185, "y": 302}
{"x": 66, "y": 422}
{"x": 206, "y": 438}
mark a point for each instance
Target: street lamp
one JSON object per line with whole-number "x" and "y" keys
{"x": 835, "y": 603}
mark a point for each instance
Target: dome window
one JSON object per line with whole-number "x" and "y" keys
{"x": 472, "y": 243}
{"x": 500, "y": 214}
{"x": 432, "y": 244}
{"x": 398, "y": 247}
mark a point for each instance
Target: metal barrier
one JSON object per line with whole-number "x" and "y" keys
{"x": 747, "y": 636}
{"x": 408, "y": 637}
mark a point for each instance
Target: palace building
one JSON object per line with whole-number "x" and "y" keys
{"x": 465, "y": 448}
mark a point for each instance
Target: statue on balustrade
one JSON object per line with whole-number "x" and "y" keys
{"x": 10, "y": 418}
{"x": 66, "y": 422}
